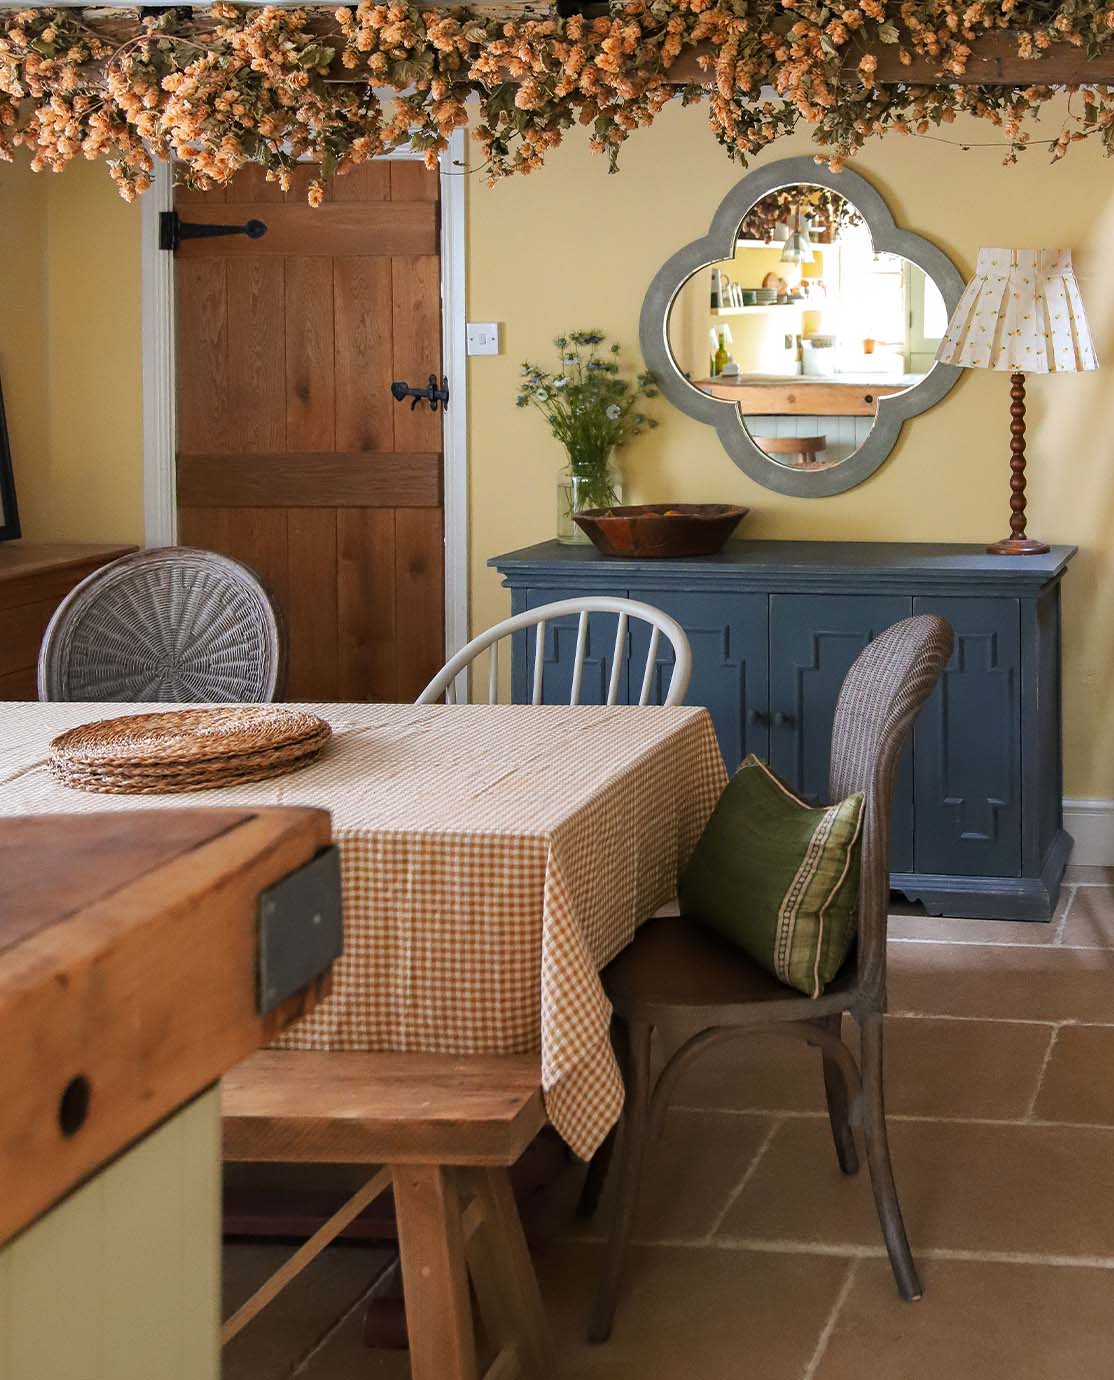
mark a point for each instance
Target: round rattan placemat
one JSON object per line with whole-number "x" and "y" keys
{"x": 187, "y": 749}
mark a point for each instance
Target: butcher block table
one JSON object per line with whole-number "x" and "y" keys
{"x": 493, "y": 859}
{"x": 130, "y": 967}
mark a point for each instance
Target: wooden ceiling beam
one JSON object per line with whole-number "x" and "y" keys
{"x": 993, "y": 62}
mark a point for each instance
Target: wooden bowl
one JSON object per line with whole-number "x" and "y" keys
{"x": 661, "y": 531}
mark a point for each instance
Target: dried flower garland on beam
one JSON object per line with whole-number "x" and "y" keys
{"x": 219, "y": 88}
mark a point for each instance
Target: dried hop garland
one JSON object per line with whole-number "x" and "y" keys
{"x": 223, "y": 87}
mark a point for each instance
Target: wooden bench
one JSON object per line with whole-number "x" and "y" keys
{"x": 445, "y": 1129}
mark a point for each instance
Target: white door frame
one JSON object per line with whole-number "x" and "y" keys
{"x": 160, "y": 510}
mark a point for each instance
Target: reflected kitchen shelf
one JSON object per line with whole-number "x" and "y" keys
{"x": 802, "y": 305}
{"x": 777, "y": 244}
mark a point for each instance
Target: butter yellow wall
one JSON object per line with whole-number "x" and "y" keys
{"x": 23, "y": 339}
{"x": 96, "y": 396}
{"x": 571, "y": 246}
{"x": 70, "y": 353}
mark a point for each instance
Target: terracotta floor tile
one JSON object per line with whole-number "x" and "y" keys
{"x": 693, "y": 1314}
{"x": 1008, "y": 1188}
{"x": 933, "y": 1068}
{"x": 1091, "y": 917}
{"x": 1089, "y": 876}
{"x": 690, "y": 1174}
{"x": 1078, "y": 1083}
{"x": 290, "y": 1326}
{"x": 344, "y": 1357}
{"x": 686, "y": 1314}
{"x": 962, "y": 931}
{"x": 977, "y": 1321}
{"x": 1038, "y": 982}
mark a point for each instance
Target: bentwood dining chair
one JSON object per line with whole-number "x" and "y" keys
{"x": 442, "y": 686}
{"x": 173, "y": 624}
{"x": 696, "y": 990}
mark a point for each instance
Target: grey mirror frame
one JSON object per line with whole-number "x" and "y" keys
{"x": 719, "y": 244}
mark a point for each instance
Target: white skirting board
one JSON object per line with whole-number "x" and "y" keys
{"x": 1091, "y": 825}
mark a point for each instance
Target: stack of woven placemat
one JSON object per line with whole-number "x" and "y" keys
{"x": 187, "y": 749}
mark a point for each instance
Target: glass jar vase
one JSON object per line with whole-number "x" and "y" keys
{"x": 579, "y": 487}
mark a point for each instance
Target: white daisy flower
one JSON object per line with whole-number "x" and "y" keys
{"x": 614, "y": 412}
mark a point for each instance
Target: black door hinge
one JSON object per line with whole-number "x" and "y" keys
{"x": 173, "y": 230}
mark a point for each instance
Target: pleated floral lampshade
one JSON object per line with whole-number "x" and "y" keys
{"x": 1021, "y": 313}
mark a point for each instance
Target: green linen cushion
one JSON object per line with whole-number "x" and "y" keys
{"x": 778, "y": 877}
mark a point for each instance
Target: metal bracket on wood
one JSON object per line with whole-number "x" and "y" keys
{"x": 300, "y": 929}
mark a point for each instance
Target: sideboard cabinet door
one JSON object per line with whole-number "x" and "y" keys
{"x": 813, "y": 641}
{"x": 560, "y": 654}
{"x": 729, "y": 636}
{"x": 968, "y": 745}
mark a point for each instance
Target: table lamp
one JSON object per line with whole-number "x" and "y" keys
{"x": 1021, "y": 313}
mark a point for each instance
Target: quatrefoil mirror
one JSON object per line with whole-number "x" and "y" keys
{"x": 803, "y": 327}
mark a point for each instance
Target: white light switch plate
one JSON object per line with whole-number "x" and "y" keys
{"x": 483, "y": 337}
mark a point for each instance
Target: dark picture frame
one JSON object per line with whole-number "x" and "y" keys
{"x": 9, "y": 510}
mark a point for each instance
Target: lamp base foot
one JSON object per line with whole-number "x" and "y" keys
{"x": 1019, "y": 546}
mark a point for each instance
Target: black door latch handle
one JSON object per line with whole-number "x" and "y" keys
{"x": 431, "y": 393}
{"x": 173, "y": 230}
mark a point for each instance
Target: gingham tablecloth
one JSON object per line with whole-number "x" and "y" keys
{"x": 493, "y": 859}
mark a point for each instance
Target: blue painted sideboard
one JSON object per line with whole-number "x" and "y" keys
{"x": 774, "y": 626}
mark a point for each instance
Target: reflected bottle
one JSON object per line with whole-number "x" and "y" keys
{"x": 721, "y": 357}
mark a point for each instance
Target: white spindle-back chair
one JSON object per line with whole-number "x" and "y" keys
{"x": 442, "y": 684}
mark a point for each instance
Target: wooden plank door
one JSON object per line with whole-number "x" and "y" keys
{"x": 292, "y": 454}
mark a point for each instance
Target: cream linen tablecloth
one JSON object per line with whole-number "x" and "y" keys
{"x": 494, "y": 858}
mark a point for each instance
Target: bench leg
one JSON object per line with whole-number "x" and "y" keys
{"x": 503, "y": 1276}
{"x": 434, "y": 1274}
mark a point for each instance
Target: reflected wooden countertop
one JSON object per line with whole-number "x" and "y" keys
{"x": 845, "y": 395}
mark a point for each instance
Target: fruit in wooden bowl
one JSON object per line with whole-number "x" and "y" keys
{"x": 661, "y": 531}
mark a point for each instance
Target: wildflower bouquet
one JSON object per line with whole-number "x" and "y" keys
{"x": 591, "y": 407}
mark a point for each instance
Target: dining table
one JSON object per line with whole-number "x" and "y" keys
{"x": 494, "y": 858}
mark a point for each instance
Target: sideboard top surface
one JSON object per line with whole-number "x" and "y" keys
{"x": 806, "y": 561}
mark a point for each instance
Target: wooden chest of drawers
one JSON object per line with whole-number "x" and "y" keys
{"x": 34, "y": 578}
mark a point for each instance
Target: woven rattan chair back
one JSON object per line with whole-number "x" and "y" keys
{"x": 174, "y": 624}
{"x": 882, "y": 693}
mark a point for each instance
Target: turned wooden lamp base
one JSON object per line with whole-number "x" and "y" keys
{"x": 1019, "y": 546}
{"x": 1018, "y": 543}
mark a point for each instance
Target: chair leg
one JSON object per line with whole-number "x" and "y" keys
{"x": 839, "y": 1109}
{"x": 592, "y": 1188}
{"x": 598, "y": 1166}
{"x": 632, "y": 1147}
{"x": 878, "y": 1158}
{"x": 434, "y": 1273}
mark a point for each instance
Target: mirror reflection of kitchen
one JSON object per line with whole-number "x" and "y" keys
{"x": 806, "y": 328}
